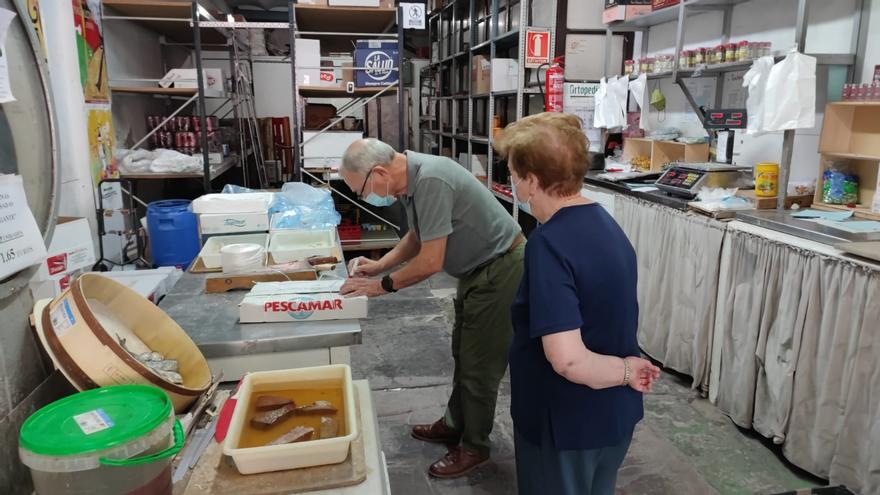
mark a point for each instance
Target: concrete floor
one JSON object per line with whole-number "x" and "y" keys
{"x": 683, "y": 446}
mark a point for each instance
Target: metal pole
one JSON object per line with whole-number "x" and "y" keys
{"x": 197, "y": 37}
{"x": 294, "y": 125}
{"x": 679, "y": 39}
{"x": 800, "y": 38}
{"x": 401, "y": 121}
{"x": 236, "y": 125}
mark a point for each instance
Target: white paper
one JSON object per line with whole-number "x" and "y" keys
{"x": 722, "y": 140}
{"x": 413, "y": 15}
{"x": 790, "y": 99}
{"x": 6, "y": 17}
{"x": 580, "y": 100}
{"x": 21, "y": 244}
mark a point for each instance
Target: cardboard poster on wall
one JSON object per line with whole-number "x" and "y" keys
{"x": 101, "y": 143}
{"x": 90, "y": 49}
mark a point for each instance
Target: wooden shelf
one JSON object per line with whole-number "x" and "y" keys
{"x": 334, "y": 92}
{"x": 344, "y": 19}
{"x": 216, "y": 171}
{"x": 851, "y": 156}
{"x": 179, "y": 12}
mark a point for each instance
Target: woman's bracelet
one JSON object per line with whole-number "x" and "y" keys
{"x": 626, "y": 372}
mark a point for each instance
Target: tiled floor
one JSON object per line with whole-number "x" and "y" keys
{"x": 683, "y": 446}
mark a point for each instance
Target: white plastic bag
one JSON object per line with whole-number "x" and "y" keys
{"x": 756, "y": 81}
{"x": 790, "y": 96}
{"x": 618, "y": 90}
{"x": 638, "y": 87}
{"x": 599, "y": 105}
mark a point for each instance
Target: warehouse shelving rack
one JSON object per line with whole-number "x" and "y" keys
{"x": 179, "y": 25}
{"x": 477, "y": 24}
{"x": 689, "y": 8}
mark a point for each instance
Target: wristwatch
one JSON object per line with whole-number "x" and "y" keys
{"x": 388, "y": 284}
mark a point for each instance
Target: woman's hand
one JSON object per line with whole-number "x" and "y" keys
{"x": 642, "y": 373}
{"x": 364, "y": 267}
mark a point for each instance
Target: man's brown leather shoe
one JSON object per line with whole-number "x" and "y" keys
{"x": 459, "y": 461}
{"x": 437, "y": 432}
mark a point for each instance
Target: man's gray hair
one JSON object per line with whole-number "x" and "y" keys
{"x": 365, "y": 154}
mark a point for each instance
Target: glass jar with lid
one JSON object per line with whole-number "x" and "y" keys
{"x": 717, "y": 55}
{"x": 730, "y": 52}
{"x": 699, "y": 56}
{"x": 629, "y": 67}
{"x": 685, "y": 59}
{"x": 743, "y": 52}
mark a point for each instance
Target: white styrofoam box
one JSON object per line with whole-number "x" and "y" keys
{"x": 210, "y": 252}
{"x": 354, "y": 3}
{"x": 233, "y": 223}
{"x": 308, "y": 55}
{"x": 186, "y": 78}
{"x": 294, "y": 245}
{"x": 71, "y": 248}
{"x": 53, "y": 286}
{"x": 504, "y": 74}
{"x": 152, "y": 284}
{"x": 254, "y": 202}
{"x": 327, "y": 148}
{"x": 287, "y": 307}
{"x": 293, "y": 455}
{"x": 584, "y": 56}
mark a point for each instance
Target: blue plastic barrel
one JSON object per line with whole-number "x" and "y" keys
{"x": 174, "y": 232}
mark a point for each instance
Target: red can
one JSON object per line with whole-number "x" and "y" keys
{"x": 183, "y": 122}
{"x": 196, "y": 123}
{"x": 166, "y": 139}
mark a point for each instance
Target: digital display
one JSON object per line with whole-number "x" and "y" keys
{"x": 683, "y": 179}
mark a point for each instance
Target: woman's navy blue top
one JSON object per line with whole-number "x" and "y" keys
{"x": 580, "y": 273}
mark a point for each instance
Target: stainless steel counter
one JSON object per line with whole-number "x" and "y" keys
{"x": 211, "y": 320}
{"x": 784, "y": 222}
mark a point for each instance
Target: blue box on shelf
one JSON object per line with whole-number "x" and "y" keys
{"x": 381, "y": 61}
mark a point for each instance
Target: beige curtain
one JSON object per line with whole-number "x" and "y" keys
{"x": 678, "y": 256}
{"x": 797, "y": 352}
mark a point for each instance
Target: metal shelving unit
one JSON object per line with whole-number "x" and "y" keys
{"x": 691, "y": 8}
{"x": 179, "y": 24}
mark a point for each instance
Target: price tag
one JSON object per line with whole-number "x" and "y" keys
{"x": 21, "y": 244}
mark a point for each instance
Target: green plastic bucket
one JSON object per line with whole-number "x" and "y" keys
{"x": 110, "y": 440}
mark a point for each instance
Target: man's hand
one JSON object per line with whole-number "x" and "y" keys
{"x": 370, "y": 287}
{"x": 643, "y": 374}
{"x": 365, "y": 267}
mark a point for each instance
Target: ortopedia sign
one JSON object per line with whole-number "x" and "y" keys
{"x": 537, "y": 47}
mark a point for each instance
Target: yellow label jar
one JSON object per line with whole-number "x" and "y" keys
{"x": 767, "y": 179}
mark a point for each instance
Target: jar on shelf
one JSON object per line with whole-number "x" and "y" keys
{"x": 699, "y": 56}
{"x": 663, "y": 63}
{"x": 730, "y": 52}
{"x": 643, "y": 65}
{"x": 846, "y": 94}
{"x": 875, "y": 92}
{"x": 718, "y": 55}
{"x": 685, "y": 59}
{"x": 743, "y": 52}
{"x": 628, "y": 67}
{"x": 863, "y": 92}
{"x": 766, "y": 49}
{"x": 649, "y": 65}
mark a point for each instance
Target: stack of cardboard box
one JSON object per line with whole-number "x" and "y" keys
{"x": 70, "y": 253}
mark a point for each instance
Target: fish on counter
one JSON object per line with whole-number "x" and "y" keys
{"x": 323, "y": 260}
{"x": 318, "y": 407}
{"x": 168, "y": 369}
{"x": 266, "y": 420}
{"x": 270, "y": 402}
{"x": 298, "y": 434}
{"x": 329, "y": 427}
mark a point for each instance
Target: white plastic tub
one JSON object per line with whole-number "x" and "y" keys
{"x": 210, "y": 252}
{"x": 295, "y": 245}
{"x": 295, "y": 455}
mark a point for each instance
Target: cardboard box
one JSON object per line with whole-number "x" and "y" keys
{"x": 53, "y": 286}
{"x": 662, "y": 4}
{"x": 504, "y": 72}
{"x": 354, "y": 3}
{"x": 308, "y": 54}
{"x": 186, "y": 78}
{"x": 380, "y": 58}
{"x": 233, "y": 223}
{"x": 481, "y": 75}
{"x": 624, "y": 12}
{"x": 333, "y": 74}
{"x": 71, "y": 248}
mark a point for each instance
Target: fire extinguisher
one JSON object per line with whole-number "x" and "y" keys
{"x": 554, "y": 85}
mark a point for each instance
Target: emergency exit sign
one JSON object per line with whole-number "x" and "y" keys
{"x": 537, "y": 47}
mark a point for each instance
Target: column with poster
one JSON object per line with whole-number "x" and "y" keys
{"x": 580, "y": 101}
{"x": 96, "y": 90}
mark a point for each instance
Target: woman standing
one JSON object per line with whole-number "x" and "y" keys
{"x": 576, "y": 377}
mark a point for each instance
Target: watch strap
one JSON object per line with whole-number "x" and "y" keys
{"x": 388, "y": 284}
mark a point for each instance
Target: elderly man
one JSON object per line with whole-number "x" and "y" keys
{"x": 455, "y": 225}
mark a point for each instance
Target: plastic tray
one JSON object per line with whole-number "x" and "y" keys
{"x": 296, "y": 245}
{"x": 295, "y": 455}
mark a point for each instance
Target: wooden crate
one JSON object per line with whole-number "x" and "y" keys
{"x": 851, "y": 137}
{"x": 663, "y": 152}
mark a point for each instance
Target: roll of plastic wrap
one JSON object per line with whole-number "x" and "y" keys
{"x": 237, "y": 258}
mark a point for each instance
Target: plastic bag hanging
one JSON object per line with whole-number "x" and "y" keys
{"x": 599, "y": 104}
{"x": 621, "y": 87}
{"x": 790, "y": 97}
{"x": 756, "y": 82}
{"x": 637, "y": 87}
